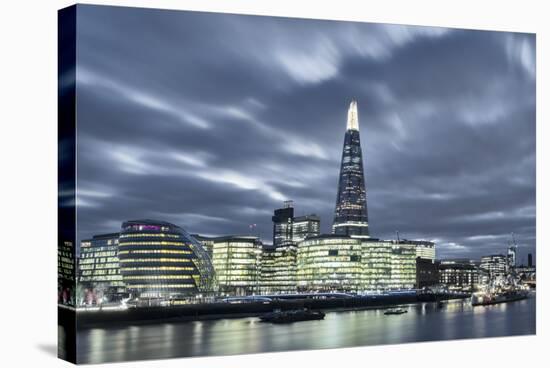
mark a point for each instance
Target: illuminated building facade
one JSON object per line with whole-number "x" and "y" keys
{"x": 161, "y": 260}
{"x": 459, "y": 274}
{"x": 305, "y": 226}
{"x": 99, "y": 268}
{"x": 288, "y": 229}
{"x": 495, "y": 265}
{"x": 424, "y": 249}
{"x": 278, "y": 269}
{"x": 377, "y": 264}
{"x": 403, "y": 266}
{"x": 65, "y": 272}
{"x": 236, "y": 260}
{"x": 282, "y": 224}
{"x": 350, "y": 216}
{"x": 329, "y": 263}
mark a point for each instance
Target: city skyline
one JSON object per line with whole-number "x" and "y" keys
{"x": 214, "y": 147}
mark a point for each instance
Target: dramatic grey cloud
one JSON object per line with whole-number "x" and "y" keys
{"x": 210, "y": 121}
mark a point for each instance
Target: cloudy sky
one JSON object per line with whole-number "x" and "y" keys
{"x": 210, "y": 121}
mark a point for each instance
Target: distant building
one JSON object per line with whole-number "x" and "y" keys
{"x": 495, "y": 265}
{"x": 329, "y": 263}
{"x": 512, "y": 255}
{"x": 161, "y": 260}
{"x": 289, "y": 229}
{"x": 99, "y": 269}
{"x": 458, "y": 274}
{"x": 278, "y": 269}
{"x": 305, "y": 226}
{"x": 351, "y": 215}
{"x": 427, "y": 273}
{"x": 529, "y": 260}
{"x": 237, "y": 260}
{"x": 424, "y": 249}
{"x": 282, "y": 224}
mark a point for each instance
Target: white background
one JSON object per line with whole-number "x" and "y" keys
{"x": 28, "y": 110}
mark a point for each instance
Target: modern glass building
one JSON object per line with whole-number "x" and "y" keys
{"x": 162, "y": 260}
{"x": 99, "y": 269}
{"x": 403, "y": 266}
{"x": 282, "y": 224}
{"x": 278, "y": 269}
{"x": 329, "y": 263}
{"x": 350, "y": 215}
{"x": 305, "y": 226}
{"x": 377, "y": 264}
{"x": 236, "y": 260}
{"x": 65, "y": 272}
{"x": 424, "y": 249}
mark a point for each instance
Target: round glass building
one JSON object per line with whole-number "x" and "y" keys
{"x": 161, "y": 260}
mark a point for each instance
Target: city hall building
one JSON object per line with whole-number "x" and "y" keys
{"x": 162, "y": 260}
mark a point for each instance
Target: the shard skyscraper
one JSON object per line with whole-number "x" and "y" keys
{"x": 350, "y": 215}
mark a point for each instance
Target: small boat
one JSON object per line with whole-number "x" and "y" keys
{"x": 289, "y": 316}
{"x": 395, "y": 311}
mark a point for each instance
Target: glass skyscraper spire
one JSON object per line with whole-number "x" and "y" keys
{"x": 350, "y": 215}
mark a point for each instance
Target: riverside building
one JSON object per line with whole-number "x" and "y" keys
{"x": 459, "y": 274}
{"x": 329, "y": 263}
{"x": 236, "y": 260}
{"x": 162, "y": 260}
{"x": 99, "y": 269}
{"x": 278, "y": 269}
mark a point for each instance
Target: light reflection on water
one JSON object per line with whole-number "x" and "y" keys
{"x": 423, "y": 322}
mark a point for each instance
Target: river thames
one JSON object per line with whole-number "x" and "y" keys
{"x": 423, "y": 322}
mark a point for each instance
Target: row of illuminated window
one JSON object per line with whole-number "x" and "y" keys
{"x": 99, "y": 252}
{"x": 129, "y": 244}
{"x": 100, "y": 272}
{"x": 155, "y": 260}
{"x": 98, "y": 260}
{"x": 155, "y": 251}
{"x": 157, "y": 277}
{"x": 145, "y": 235}
{"x": 98, "y": 266}
{"x": 161, "y": 268}
{"x": 162, "y": 286}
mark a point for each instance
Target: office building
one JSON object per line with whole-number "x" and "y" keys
{"x": 237, "y": 261}
{"x": 99, "y": 269}
{"x": 427, "y": 273}
{"x": 278, "y": 269}
{"x": 458, "y": 274}
{"x": 290, "y": 229}
{"x": 350, "y": 215}
{"x": 282, "y": 224}
{"x": 65, "y": 272}
{"x": 424, "y": 249}
{"x": 328, "y": 263}
{"x": 162, "y": 260}
{"x": 305, "y": 226}
{"x": 403, "y": 266}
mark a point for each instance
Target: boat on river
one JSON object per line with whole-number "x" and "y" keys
{"x": 395, "y": 311}
{"x": 295, "y": 315}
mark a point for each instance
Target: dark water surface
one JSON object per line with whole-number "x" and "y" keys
{"x": 423, "y": 322}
